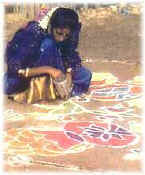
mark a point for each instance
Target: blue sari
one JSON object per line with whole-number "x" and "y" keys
{"x": 33, "y": 47}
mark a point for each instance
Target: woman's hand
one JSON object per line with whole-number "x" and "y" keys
{"x": 56, "y": 73}
{"x": 64, "y": 87}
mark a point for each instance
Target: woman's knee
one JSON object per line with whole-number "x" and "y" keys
{"x": 87, "y": 73}
{"x": 14, "y": 85}
{"x": 83, "y": 74}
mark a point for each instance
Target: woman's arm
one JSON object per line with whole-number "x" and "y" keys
{"x": 29, "y": 72}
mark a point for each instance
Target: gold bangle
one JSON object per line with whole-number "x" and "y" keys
{"x": 27, "y": 72}
{"x": 69, "y": 70}
{"x": 21, "y": 71}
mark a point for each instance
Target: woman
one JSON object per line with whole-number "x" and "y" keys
{"x": 45, "y": 65}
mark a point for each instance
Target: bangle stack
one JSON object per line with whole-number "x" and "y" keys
{"x": 69, "y": 70}
{"x": 27, "y": 72}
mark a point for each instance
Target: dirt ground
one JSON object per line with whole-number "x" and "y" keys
{"x": 109, "y": 43}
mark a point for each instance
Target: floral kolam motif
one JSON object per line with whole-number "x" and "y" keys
{"x": 72, "y": 127}
{"x": 106, "y": 87}
{"x": 102, "y": 134}
{"x": 74, "y": 138}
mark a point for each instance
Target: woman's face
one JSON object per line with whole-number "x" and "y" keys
{"x": 61, "y": 34}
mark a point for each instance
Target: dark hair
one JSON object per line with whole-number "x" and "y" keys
{"x": 64, "y": 17}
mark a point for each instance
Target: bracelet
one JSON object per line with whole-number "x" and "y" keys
{"x": 21, "y": 71}
{"x": 27, "y": 72}
{"x": 69, "y": 70}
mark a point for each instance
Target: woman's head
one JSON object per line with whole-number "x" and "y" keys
{"x": 64, "y": 18}
{"x": 63, "y": 22}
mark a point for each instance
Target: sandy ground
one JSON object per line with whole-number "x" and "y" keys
{"x": 107, "y": 44}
